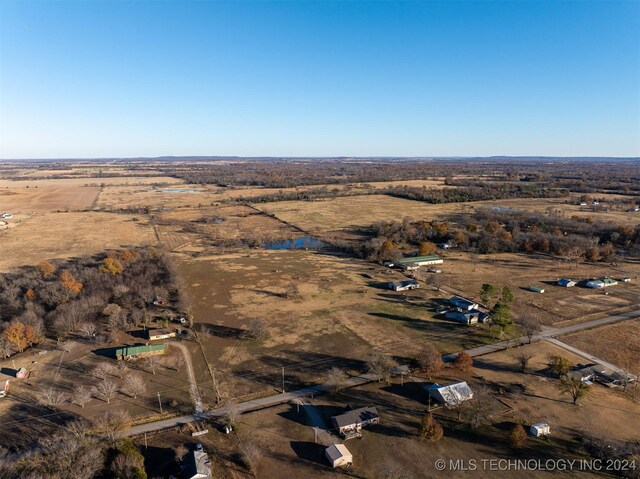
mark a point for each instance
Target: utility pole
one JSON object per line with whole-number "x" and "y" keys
{"x": 315, "y": 434}
{"x": 159, "y": 402}
{"x": 283, "y": 380}
{"x": 145, "y": 440}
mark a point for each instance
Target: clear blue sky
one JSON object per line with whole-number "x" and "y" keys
{"x": 116, "y": 78}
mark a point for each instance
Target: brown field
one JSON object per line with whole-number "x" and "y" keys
{"x": 64, "y": 235}
{"x": 347, "y": 213}
{"x": 466, "y": 272}
{"x": 88, "y": 181}
{"x": 341, "y": 315}
{"x": 22, "y": 201}
{"x": 286, "y": 438}
{"x": 618, "y": 343}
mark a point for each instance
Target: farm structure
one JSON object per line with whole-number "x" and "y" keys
{"x": 338, "y": 455}
{"x": 468, "y": 317}
{"x": 197, "y": 465}
{"x": 452, "y": 394}
{"x": 414, "y": 262}
{"x": 351, "y": 422}
{"x": 458, "y": 303}
{"x": 566, "y": 283}
{"x": 536, "y": 289}
{"x": 601, "y": 283}
{"x": 540, "y": 429}
{"x": 404, "y": 285}
{"x": 140, "y": 351}
{"x": 595, "y": 372}
{"x": 155, "y": 334}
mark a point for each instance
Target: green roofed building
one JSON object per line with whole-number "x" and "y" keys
{"x": 413, "y": 262}
{"x": 140, "y": 351}
{"x": 536, "y": 289}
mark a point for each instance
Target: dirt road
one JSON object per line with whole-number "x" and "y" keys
{"x": 195, "y": 393}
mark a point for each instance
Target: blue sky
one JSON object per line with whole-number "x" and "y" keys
{"x": 117, "y": 78}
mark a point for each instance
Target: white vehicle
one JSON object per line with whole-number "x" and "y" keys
{"x": 7, "y": 215}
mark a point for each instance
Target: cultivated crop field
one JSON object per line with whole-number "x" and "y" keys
{"x": 22, "y": 201}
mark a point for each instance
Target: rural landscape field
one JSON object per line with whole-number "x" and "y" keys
{"x": 328, "y": 239}
{"x": 264, "y": 312}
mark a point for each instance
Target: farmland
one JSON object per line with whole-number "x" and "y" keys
{"x": 256, "y": 319}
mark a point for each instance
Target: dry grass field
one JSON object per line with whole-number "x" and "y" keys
{"x": 340, "y": 315}
{"x": 87, "y": 181}
{"x": 64, "y": 235}
{"x": 467, "y": 272}
{"x": 41, "y": 200}
{"x": 347, "y": 213}
{"x": 605, "y": 343}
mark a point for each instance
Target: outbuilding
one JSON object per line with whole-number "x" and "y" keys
{"x": 141, "y": 351}
{"x": 536, "y": 289}
{"x": 197, "y": 465}
{"x": 338, "y": 455}
{"x": 404, "y": 285}
{"x": 540, "y": 429}
{"x": 452, "y": 394}
{"x": 566, "y": 283}
{"x": 155, "y": 334}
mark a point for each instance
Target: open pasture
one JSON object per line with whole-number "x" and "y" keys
{"x": 348, "y": 213}
{"x": 466, "y": 272}
{"x": 64, "y": 235}
{"x": 321, "y": 310}
{"x": 24, "y": 200}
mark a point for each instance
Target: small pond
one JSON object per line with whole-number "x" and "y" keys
{"x": 177, "y": 190}
{"x": 297, "y": 243}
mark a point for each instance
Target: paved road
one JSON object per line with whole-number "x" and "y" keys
{"x": 366, "y": 378}
{"x": 590, "y": 357}
{"x": 243, "y": 407}
{"x": 547, "y": 333}
{"x": 195, "y": 393}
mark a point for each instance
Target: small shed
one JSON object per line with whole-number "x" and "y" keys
{"x": 540, "y": 429}
{"x": 155, "y": 334}
{"x": 536, "y": 289}
{"x": 566, "y": 283}
{"x": 338, "y": 455}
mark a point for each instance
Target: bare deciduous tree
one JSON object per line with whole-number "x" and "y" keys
{"x": 134, "y": 385}
{"x": 51, "y": 397}
{"x": 105, "y": 390}
{"x": 81, "y": 396}
{"x": 88, "y": 330}
{"x": 523, "y": 359}
{"x": 110, "y": 423}
{"x": 151, "y": 363}
{"x": 257, "y": 329}
{"x": 336, "y": 379}
{"x": 381, "y": 365}
{"x": 175, "y": 361}
{"x": 430, "y": 360}
{"x": 530, "y": 325}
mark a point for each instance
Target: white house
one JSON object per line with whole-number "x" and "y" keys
{"x": 462, "y": 304}
{"x": 404, "y": 285}
{"x": 338, "y": 455}
{"x": 540, "y": 429}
